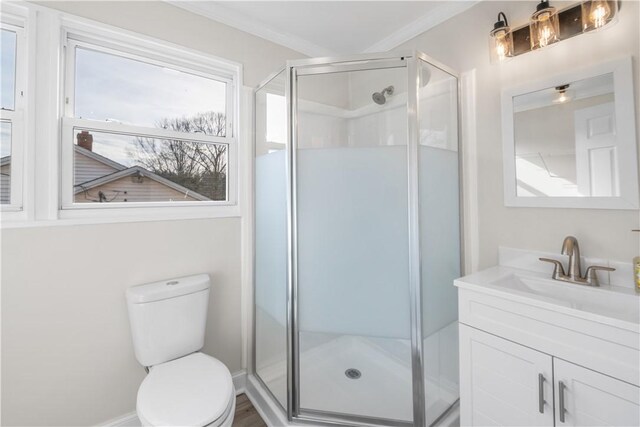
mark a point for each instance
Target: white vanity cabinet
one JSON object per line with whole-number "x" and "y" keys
{"x": 507, "y": 384}
{"x": 535, "y": 352}
{"x": 593, "y": 399}
{"x": 503, "y": 383}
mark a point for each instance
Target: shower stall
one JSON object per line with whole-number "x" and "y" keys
{"x": 357, "y": 239}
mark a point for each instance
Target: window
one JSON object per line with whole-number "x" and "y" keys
{"x": 142, "y": 128}
{"x": 12, "y": 113}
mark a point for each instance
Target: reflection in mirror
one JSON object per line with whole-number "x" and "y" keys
{"x": 565, "y": 140}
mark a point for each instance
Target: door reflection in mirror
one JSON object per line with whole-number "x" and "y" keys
{"x": 565, "y": 140}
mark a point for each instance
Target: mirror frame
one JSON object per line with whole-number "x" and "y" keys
{"x": 624, "y": 93}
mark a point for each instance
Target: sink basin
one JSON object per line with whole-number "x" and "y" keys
{"x": 607, "y": 301}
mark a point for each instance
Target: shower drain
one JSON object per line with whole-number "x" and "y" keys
{"x": 353, "y": 373}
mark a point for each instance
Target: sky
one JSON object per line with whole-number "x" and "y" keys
{"x": 114, "y": 88}
{"x": 110, "y": 87}
{"x": 7, "y": 85}
{"x": 8, "y": 68}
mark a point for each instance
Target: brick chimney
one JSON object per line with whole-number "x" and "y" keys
{"x": 85, "y": 140}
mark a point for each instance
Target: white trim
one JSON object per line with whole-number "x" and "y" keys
{"x": 159, "y": 133}
{"x": 128, "y": 420}
{"x": 252, "y": 26}
{"x": 468, "y": 108}
{"x": 245, "y": 160}
{"x": 629, "y": 198}
{"x": 426, "y": 22}
{"x": 239, "y": 381}
{"x": 115, "y": 216}
{"x": 17, "y": 21}
{"x": 268, "y": 410}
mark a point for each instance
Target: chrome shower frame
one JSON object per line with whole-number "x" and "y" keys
{"x": 362, "y": 62}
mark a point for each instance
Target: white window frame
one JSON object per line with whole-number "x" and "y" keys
{"x": 76, "y": 33}
{"x": 18, "y": 117}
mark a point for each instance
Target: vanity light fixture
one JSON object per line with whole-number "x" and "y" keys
{"x": 549, "y": 25}
{"x": 501, "y": 38}
{"x": 544, "y": 26}
{"x": 563, "y": 94}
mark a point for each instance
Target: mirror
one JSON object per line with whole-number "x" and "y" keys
{"x": 570, "y": 141}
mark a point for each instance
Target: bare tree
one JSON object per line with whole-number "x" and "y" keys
{"x": 200, "y": 167}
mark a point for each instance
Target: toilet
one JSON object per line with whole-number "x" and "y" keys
{"x": 184, "y": 387}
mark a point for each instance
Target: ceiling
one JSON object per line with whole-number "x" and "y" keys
{"x": 325, "y": 28}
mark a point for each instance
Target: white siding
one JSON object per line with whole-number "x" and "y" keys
{"x": 5, "y": 184}
{"x": 125, "y": 190}
{"x": 86, "y": 169}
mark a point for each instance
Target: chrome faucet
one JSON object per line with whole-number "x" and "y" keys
{"x": 571, "y": 248}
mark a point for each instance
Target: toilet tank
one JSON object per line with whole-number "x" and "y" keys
{"x": 168, "y": 318}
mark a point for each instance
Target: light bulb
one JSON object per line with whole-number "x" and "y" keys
{"x": 563, "y": 94}
{"x": 501, "y": 39}
{"x": 502, "y": 46}
{"x": 544, "y": 26}
{"x": 599, "y": 13}
{"x": 545, "y": 31}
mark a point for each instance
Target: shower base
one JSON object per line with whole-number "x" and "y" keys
{"x": 383, "y": 388}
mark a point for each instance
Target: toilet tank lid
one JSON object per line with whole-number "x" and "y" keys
{"x": 165, "y": 289}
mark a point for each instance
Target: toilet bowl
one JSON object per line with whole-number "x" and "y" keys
{"x": 184, "y": 387}
{"x": 195, "y": 390}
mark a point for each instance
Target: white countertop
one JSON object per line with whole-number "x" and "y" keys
{"x": 612, "y": 305}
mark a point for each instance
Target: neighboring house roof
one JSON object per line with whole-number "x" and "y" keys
{"x": 120, "y": 171}
{"x": 139, "y": 171}
{"x": 97, "y": 157}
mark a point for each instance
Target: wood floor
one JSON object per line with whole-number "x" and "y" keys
{"x": 246, "y": 414}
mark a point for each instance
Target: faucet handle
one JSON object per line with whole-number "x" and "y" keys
{"x": 558, "y": 270}
{"x": 590, "y": 275}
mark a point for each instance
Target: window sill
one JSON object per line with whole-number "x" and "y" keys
{"x": 125, "y": 215}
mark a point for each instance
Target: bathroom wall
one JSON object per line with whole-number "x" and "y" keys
{"x": 161, "y": 20}
{"x": 462, "y": 43}
{"x": 67, "y": 357}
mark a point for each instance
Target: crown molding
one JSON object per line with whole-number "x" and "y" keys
{"x": 252, "y": 26}
{"x": 248, "y": 24}
{"x": 420, "y": 25}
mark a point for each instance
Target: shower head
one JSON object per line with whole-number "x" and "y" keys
{"x": 379, "y": 98}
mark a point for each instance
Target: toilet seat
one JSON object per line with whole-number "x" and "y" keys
{"x": 195, "y": 390}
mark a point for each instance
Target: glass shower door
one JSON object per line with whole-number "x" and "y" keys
{"x": 353, "y": 324}
{"x": 439, "y": 217}
{"x": 270, "y": 238}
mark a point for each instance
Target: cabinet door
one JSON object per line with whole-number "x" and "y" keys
{"x": 503, "y": 383}
{"x": 588, "y": 398}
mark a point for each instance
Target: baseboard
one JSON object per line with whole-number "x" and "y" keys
{"x": 131, "y": 419}
{"x": 268, "y": 410}
{"x": 128, "y": 420}
{"x": 240, "y": 381}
